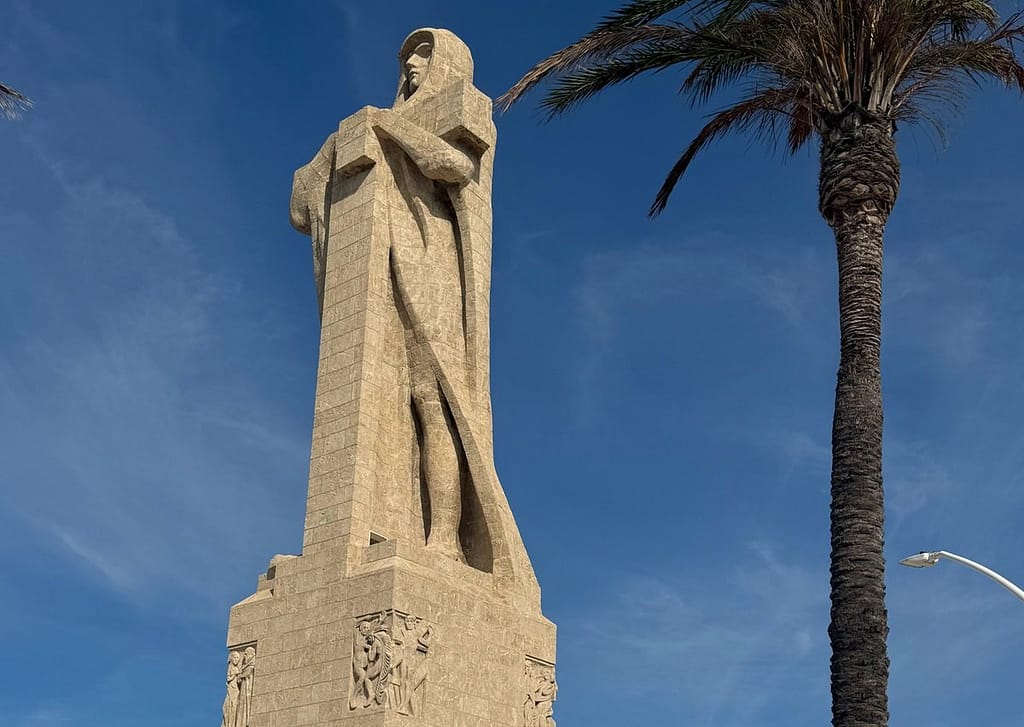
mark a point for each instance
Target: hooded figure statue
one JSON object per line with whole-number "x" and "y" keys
{"x": 433, "y": 159}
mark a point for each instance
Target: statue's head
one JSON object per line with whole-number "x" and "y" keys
{"x": 431, "y": 59}
{"x": 236, "y": 657}
{"x": 411, "y": 622}
{"x": 416, "y": 66}
{"x": 250, "y": 654}
{"x": 365, "y": 628}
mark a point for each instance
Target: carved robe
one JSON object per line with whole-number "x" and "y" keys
{"x": 439, "y": 227}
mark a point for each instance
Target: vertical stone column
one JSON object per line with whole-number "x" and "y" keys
{"x": 348, "y": 377}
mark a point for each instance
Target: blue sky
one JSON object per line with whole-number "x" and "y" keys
{"x": 662, "y": 391}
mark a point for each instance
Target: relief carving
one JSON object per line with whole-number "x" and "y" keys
{"x": 389, "y": 662}
{"x": 541, "y": 691}
{"x": 238, "y": 700}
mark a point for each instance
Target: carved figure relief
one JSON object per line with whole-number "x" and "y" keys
{"x": 389, "y": 662}
{"x": 231, "y": 699}
{"x": 238, "y": 700}
{"x": 541, "y": 691}
{"x": 409, "y": 667}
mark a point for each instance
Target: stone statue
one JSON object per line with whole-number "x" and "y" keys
{"x": 424, "y": 166}
{"x": 231, "y": 699}
{"x": 404, "y": 509}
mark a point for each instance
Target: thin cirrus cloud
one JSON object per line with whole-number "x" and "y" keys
{"x": 675, "y": 286}
{"x": 779, "y": 281}
{"x": 120, "y": 348}
{"x": 126, "y": 345}
{"x": 730, "y": 655}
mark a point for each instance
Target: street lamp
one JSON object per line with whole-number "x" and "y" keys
{"x": 924, "y": 560}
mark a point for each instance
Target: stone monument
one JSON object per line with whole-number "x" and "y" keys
{"x": 413, "y": 601}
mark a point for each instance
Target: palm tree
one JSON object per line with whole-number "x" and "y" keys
{"x": 12, "y": 102}
{"x": 845, "y": 72}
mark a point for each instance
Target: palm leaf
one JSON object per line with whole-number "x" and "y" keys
{"x": 759, "y": 110}
{"x": 814, "y": 61}
{"x": 12, "y": 102}
{"x": 574, "y": 88}
{"x": 620, "y": 30}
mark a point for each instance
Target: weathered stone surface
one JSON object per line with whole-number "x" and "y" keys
{"x": 414, "y": 601}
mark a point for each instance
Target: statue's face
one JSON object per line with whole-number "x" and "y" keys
{"x": 410, "y": 622}
{"x": 236, "y": 656}
{"x": 417, "y": 65}
{"x": 250, "y": 654}
{"x": 365, "y": 628}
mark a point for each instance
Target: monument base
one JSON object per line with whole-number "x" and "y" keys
{"x": 406, "y": 637}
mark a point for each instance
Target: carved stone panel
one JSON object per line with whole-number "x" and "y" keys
{"x": 390, "y": 662}
{"x": 238, "y": 700}
{"x": 541, "y": 691}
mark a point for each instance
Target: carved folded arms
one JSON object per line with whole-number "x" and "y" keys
{"x": 354, "y": 148}
{"x": 351, "y": 151}
{"x": 435, "y": 157}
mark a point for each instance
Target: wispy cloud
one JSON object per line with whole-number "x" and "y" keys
{"x": 133, "y": 444}
{"x": 914, "y": 476}
{"x": 782, "y": 287}
{"x": 731, "y": 651}
{"x": 948, "y": 627}
{"x": 780, "y": 281}
{"x": 46, "y": 717}
{"x": 108, "y": 381}
{"x": 949, "y": 304}
{"x": 797, "y": 451}
{"x": 120, "y": 578}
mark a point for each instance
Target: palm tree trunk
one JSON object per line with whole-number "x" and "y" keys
{"x": 858, "y": 184}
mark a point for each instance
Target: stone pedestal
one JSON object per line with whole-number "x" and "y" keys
{"x": 477, "y": 664}
{"x": 372, "y": 625}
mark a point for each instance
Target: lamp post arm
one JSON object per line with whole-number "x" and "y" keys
{"x": 1005, "y": 583}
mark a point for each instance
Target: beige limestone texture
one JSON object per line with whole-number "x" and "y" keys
{"x": 414, "y": 601}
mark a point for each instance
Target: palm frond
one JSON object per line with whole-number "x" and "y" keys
{"x": 620, "y": 30}
{"x": 759, "y": 110}
{"x": 821, "y": 60}
{"x": 12, "y": 102}
{"x": 722, "y": 57}
{"x": 575, "y": 87}
{"x": 801, "y": 126}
